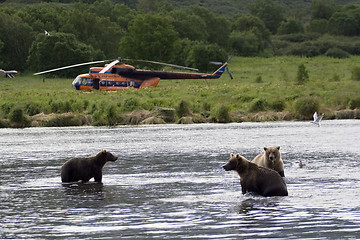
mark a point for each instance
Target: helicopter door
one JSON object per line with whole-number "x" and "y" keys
{"x": 132, "y": 83}
{"x": 96, "y": 83}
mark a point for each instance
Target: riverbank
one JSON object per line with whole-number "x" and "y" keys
{"x": 263, "y": 89}
{"x": 146, "y": 117}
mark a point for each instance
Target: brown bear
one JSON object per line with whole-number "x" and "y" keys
{"x": 271, "y": 158}
{"x": 84, "y": 169}
{"x": 253, "y": 178}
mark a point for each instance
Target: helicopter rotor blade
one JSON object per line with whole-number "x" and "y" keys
{"x": 216, "y": 63}
{"x": 161, "y": 63}
{"x": 110, "y": 65}
{"x": 231, "y": 56}
{"x": 71, "y": 66}
{"x": 228, "y": 71}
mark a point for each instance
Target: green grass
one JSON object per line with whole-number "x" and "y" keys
{"x": 330, "y": 85}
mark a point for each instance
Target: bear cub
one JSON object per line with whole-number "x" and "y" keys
{"x": 253, "y": 178}
{"x": 271, "y": 158}
{"x": 83, "y": 169}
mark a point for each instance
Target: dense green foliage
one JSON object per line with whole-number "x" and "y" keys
{"x": 188, "y": 32}
{"x": 332, "y": 86}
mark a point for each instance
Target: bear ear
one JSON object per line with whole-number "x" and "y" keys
{"x": 238, "y": 156}
{"x": 103, "y": 151}
{"x": 231, "y": 155}
{"x": 265, "y": 148}
{"x": 278, "y": 147}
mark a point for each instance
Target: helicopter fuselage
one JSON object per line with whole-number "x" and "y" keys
{"x": 126, "y": 76}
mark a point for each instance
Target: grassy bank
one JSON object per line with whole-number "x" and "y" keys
{"x": 263, "y": 89}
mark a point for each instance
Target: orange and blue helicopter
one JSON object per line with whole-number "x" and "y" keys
{"x": 117, "y": 75}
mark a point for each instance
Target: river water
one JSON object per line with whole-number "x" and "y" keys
{"x": 168, "y": 182}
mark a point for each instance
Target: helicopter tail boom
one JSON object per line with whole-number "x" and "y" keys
{"x": 220, "y": 71}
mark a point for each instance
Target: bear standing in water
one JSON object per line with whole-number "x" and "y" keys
{"x": 271, "y": 158}
{"x": 84, "y": 169}
{"x": 254, "y": 178}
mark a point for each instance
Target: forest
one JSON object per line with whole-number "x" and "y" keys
{"x": 191, "y": 33}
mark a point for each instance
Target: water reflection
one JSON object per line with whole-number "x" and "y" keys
{"x": 254, "y": 202}
{"x": 83, "y": 191}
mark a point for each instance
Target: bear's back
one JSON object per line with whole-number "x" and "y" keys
{"x": 264, "y": 181}
{"x": 259, "y": 159}
{"x": 77, "y": 169}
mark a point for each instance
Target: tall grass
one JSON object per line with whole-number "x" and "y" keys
{"x": 222, "y": 99}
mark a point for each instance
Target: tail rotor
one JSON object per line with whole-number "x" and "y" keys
{"x": 227, "y": 68}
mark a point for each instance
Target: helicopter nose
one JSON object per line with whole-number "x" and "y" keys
{"x": 76, "y": 84}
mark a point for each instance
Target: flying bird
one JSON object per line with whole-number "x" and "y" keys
{"x": 317, "y": 119}
{"x": 47, "y": 33}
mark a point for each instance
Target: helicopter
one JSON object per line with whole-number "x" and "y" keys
{"x": 117, "y": 75}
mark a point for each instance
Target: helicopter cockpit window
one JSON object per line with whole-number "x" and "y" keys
{"x": 86, "y": 81}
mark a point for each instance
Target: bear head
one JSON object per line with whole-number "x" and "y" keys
{"x": 237, "y": 163}
{"x": 107, "y": 156}
{"x": 272, "y": 154}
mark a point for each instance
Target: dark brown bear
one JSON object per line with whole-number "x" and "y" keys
{"x": 253, "y": 178}
{"x": 84, "y": 169}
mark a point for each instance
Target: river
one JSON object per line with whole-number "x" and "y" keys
{"x": 168, "y": 182}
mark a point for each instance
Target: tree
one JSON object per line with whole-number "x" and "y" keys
{"x": 1, "y": 49}
{"x": 290, "y": 26}
{"x": 249, "y": 35}
{"x": 202, "y": 53}
{"x": 217, "y": 28}
{"x": 318, "y": 26}
{"x": 147, "y": 5}
{"x": 346, "y": 21}
{"x": 95, "y": 30}
{"x": 320, "y": 9}
{"x": 189, "y": 25}
{"x": 42, "y": 18}
{"x": 149, "y": 37}
{"x": 245, "y": 43}
{"x": 57, "y": 50}
{"x": 16, "y": 37}
{"x": 269, "y": 12}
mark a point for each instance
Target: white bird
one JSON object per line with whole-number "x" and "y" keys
{"x": 317, "y": 118}
{"x": 47, "y": 33}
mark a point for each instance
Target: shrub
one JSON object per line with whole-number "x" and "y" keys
{"x": 130, "y": 104}
{"x": 98, "y": 118}
{"x": 223, "y": 114}
{"x": 337, "y": 53}
{"x": 305, "y": 107}
{"x": 258, "y": 105}
{"x": 258, "y": 79}
{"x": 17, "y": 116}
{"x": 111, "y": 115}
{"x": 60, "y": 107}
{"x": 167, "y": 115}
{"x": 4, "y": 123}
{"x": 6, "y": 108}
{"x": 64, "y": 120}
{"x": 33, "y": 108}
{"x": 183, "y": 109}
{"x": 356, "y": 73}
{"x": 278, "y": 105}
{"x": 354, "y": 103}
{"x": 336, "y": 78}
{"x": 302, "y": 74}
